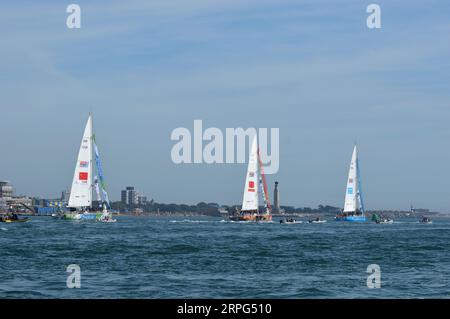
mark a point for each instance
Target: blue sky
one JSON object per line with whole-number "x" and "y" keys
{"x": 311, "y": 68}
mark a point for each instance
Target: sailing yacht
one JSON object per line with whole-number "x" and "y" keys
{"x": 354, "y": 206}
{"x": 80, "y": 200}
{"x": 250, "y": 202}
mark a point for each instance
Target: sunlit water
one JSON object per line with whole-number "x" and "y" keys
{"x": 142, "y": 257}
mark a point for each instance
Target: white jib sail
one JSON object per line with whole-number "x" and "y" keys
{"x": 251, "y": 194}
{"x": 81, "y": 191}
{"x": 351, "y": 192}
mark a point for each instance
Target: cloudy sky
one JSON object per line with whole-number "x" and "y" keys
{"x": 310, "y": 68}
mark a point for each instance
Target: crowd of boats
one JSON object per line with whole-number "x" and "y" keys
{"x": 80, "y": 204}
{"x": 317, "y": 220}
{"x": 375, "y": 217}
{"x": 353, "y": 210}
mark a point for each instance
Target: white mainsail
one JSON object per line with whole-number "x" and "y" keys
{"x": 251, "y": 194}
{"x": 81, "y": 191}
{"x": 351, "y": 193}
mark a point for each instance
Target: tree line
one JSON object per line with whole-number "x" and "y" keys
{"x": 212, "y": 209}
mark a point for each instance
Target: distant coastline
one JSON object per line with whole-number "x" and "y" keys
{"x": 153, "y": 208}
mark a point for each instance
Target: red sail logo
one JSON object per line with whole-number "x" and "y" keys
{"x": 83, "y": 176}
{"x": 251, "y": 186}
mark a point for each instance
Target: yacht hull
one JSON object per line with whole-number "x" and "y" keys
{"x": 351, "y": 219}
{"x": 252, "y": 218}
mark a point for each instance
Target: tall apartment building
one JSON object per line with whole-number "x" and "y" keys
{"x": 129, "y": 196}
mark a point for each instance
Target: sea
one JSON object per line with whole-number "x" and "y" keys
{"x": 207, "y": 257}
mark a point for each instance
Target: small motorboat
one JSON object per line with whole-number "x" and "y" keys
{"x": 317, "y": 221}
{"x": 13, "y": 220}
{"x": 385, "y": 221}
{"x": 106, "y": 217}
{"x": 290, "y": 221}
{"x": 426, "y": 220}
{"x": 380, "y": 219}
{"x": 107, "y": 220}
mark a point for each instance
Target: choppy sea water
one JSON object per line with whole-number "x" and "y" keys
{"x": 201, "y": 257}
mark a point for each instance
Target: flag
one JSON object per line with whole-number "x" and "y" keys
{"x": 84, "y": 164}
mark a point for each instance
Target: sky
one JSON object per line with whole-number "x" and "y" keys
{"x": 310, "y": 68}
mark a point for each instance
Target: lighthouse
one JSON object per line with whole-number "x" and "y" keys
{"x": 276, "y": 199}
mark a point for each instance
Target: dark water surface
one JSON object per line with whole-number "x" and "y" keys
{"x": 144, "y": 257}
